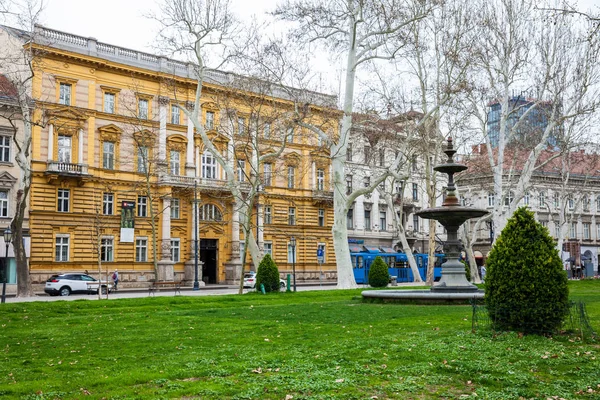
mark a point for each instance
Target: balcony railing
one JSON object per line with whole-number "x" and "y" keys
{"x": 67, "y": 168}
{"x": 188, "y": 181}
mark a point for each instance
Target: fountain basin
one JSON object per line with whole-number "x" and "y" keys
{"x": 451, "y": 216}
{"x": 423, "y": 296}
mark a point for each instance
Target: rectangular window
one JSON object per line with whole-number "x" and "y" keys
{"x": 64, "y": 149}
{"x": 415, "y": 163}
{"x": 556, "y": 200}
{"x": 63, "y": 200}
{"x": 416, "y": 223}
{"x": 597, "y": 231}
{"x": 174, "y": 114}
{"x": 109, "y": 103}
{"x": 349, "y": 152}
{"x": 292, "y": 253}
{"x": 526, "y": 198}
{"x": 348, "y": 184}
{"x": 381, "y": 157}
{"x": 175, "y": 250}
{"x": 289, "y": 136}
{"x": 268, "y": 218}
{"x": 368, "y": 220}
{"x": 142, "y": 206}
{"x": 209, "y": 165}
{"x": 542, "y": 200}
{"x": 556, "y": 230}
{"x": 241, "y": 170}
{"x": 61, "y": 248}
{"x": 174, "y": 208}
{"x": 142, "y": 108}
{"x": 586, "y": 231}
{"x": 174, "y": 163}
{"x": 292, "y": 216}
{"x": 108, "y": 204}
{"x": 585, "y": 201}
{"x": 598, "y": 204}
{"x": 350, "y": 219}
{"x": 267, "y": 178}
{"x": 382, "y": 221}
{"x": 491, "y": 199}
{"x": 5, "y": 149}
{"x": 107, "y": 249}
{"x": 321, "y": 217}
{"x": 210, "y": 120}
{"x": 291, "y": 177}
{"x": 141, "y": 250}
{"x": 142, "y": 160}
{"x": 415, "y": 192}
{"x": 367, "y": 152}
{"x": 3, "y": 203}
{"x": 573, "y": 230}
{"x": 571, "y": 202}
{"x": 268, "y": 246}
{"x": 320, "y": 179}
{"x": 267, "y": 130}
{"x": 108, "y": 155}
{"x": 64, "y": 96}
{"x": 241, "y": 126}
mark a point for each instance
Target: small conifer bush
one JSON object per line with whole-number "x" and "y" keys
{"x": 378, "y": 274}
{"x": 526, "y": 286}
{"x": 267, "y": 274}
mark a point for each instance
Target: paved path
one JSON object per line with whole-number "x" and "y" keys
{"x": 209, "y": 290}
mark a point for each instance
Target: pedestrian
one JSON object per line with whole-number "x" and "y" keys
{"x": 483, "y": 273}
{"x": 115, "y": 279}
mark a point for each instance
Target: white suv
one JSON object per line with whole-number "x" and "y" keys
{"x": 250, "y": 280}
{"x": 66, "y": 284}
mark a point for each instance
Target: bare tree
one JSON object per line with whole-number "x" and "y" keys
{"x": 530, "y": 79}
{"x": 17, "y": 62}
{"x": 362, "y": 32}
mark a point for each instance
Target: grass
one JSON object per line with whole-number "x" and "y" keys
{"x": 308, "y": 345}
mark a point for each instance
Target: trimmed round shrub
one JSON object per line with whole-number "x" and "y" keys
{"x": 525, "y": 284}
{"x": 378, "y": 274}
{"x": 267, "y": 274}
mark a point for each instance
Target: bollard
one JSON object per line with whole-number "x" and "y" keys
{"x": 262, "y": 288}
{"x": 287, "y": 286}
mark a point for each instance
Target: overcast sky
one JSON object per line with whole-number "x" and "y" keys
{"x": 122, "y": 22}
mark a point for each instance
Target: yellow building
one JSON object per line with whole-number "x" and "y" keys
{"x": 117, "y": 165}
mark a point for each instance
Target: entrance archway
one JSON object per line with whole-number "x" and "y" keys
{"x": 208, "y": 256}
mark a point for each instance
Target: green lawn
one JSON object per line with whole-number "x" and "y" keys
{"x": 308, "y": 345}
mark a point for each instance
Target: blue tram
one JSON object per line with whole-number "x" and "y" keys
{"x": 363, "y": 256}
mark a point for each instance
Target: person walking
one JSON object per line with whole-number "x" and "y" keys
{"x": 115, "y": 279}
{"x": 483, "y": 273}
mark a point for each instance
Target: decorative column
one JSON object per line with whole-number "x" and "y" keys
{"x": 190, "y": 264}
{"x": 165, "y": 265}
{"x": 50, "y": 142}
{"x": 80, "y": 146}
{"x": 234, "y": 265}
{"x": 162, "y": 130}
{"x": 189, "y": 155}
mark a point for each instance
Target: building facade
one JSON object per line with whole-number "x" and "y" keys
{"x": 566, "y": 201}
{"x": 117, "y": 169}
{"x": 11, "y": 130}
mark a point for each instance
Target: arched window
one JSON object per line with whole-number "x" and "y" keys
{"x": 210, "y": 212}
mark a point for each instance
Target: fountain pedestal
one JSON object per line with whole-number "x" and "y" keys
{"x": 453, "y": 284}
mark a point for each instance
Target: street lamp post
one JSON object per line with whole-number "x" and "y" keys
{"x": 196, "y": 283}
{"x": 7, "y": 239}
{"x": 293, "y": 243}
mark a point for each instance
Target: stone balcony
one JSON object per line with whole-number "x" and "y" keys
{"x": 322, "y": 196}
{"x": 67, "y": 168}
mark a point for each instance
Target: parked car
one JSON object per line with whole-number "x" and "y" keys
{"x": 65, "y": 284}
{"x": 250, "y": 280}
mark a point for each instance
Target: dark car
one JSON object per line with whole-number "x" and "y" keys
{"x": 65, "y": 284}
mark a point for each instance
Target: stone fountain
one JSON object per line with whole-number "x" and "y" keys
{"x": 453, "y": 285}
